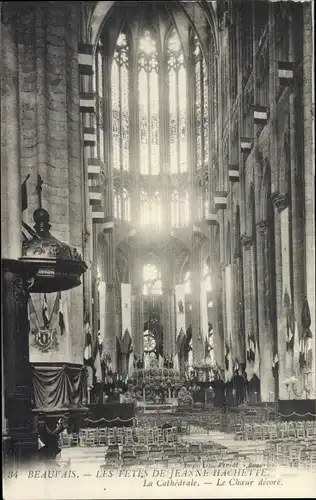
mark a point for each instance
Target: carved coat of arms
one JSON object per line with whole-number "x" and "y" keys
{"x": 46, "y": 339}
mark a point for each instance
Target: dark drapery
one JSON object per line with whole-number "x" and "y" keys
{"x": 55, "y": 385}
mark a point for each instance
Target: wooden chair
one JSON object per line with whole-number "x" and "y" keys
{"x": 292, "y": 429}
{"x": 300, "y": 430}
{"x": 238, "y": 431}
{"x": 309, "y": 430}
{"x": 265, "y": 431}
{"x": 111, "y": 437}
{"x": 170, "y": 435}
{"x": 150, "y": 440}
{"x": 102, "y": 436}
{"x": 272, "y": 431}
{"x": 141, "y": 437}
{"x": 119, "y": 439}
{"x": 74, "y": 439}
{"x": 257, "y": 432}
{"x": 82, "y": 437}
{"x": 91, "y": 437}
{"x": 247, "y": 432}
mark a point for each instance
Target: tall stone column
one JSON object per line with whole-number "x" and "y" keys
{"x": 309, "y": 171}
{"x": 169, "y": 326}
{"x": 137, "y": 321}
{"x": 217, "y": 314}
{"x": 249, "y": 301}
{"x": 238, "y": 320}
{"x": 285, "y": 364}
{"x": 266, "y": 338}
{"x": 197, "y": 341}
{"x": 16, "y": 365}
{"x": 109, "y": 338}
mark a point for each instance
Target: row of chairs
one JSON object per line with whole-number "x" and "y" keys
{"x": 291, "y": 453}
{"x": 276, "y": 430}
{"x": 119, "y": 436}
{"x": 193, "y": 453}
{"x": 181, "y": 424}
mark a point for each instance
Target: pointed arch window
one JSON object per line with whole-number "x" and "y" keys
{"x": 179, "y": 208}
{"x": 150, "y": 209}
{"x": 201, "y": 106}
{"x": 148, "y": 99}
{"x": 174, "y": 208}
{"x": 120, "y": 104}
{"x": 177, "y": 90}
{"x": 126, "y": 205}
{"x": 117, "y": 204}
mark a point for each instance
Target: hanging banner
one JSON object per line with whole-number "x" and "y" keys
{"x": 102, "y": 309}
{"x": 49, "y": 335}
{"x": 126, "y": 301}
{"x": 180, "y": 308}
{"x": 203, "y": 312}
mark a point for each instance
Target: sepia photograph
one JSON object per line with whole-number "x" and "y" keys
{"x": 158, "y": 249}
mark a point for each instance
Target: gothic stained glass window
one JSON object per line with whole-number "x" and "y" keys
{"x": 148, "y": 98}
{"x": 126, "y": 205}
{"x": 120, "y": 104}
{"x": 117, "y": 204}
{"x": 201, "y": 106}
{"x": 179, "y": 208}
{"x": 177, "y": 87}
{"x": 150, "y": 209}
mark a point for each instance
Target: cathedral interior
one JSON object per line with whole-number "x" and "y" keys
{"x": 157, "y": 191}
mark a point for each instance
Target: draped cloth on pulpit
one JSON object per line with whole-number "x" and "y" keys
{"x": 56, "y": 385}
